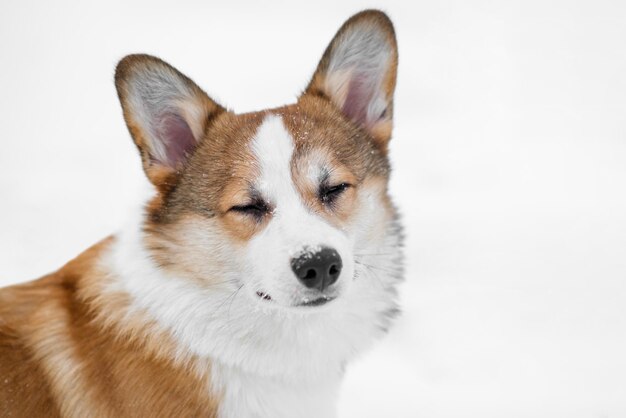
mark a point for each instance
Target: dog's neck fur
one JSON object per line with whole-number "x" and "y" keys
{"x": 258, "y": 358}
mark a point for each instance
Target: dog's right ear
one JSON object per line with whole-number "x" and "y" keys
{"x": 166, "y": 113}
{"x": 357, "y": 73}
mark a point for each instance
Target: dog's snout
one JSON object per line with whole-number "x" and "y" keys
{"x": 319, "y": 269}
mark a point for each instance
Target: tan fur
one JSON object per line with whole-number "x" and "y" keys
{"x": 70, "y": 348}
{"x": 69, "y": 343}
{"x": 221, "y": 170}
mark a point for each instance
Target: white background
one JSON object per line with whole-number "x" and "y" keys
{"x": 510, "y": 170}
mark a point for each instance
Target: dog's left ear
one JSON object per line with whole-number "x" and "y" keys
{"x": 357, "y": 73}
{"x": 167, "y": 114}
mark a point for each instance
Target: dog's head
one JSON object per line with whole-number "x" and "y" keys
{"x": 288, "y": 206}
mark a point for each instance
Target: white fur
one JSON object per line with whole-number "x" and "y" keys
{"x": 248, "y": 395}
{"x": 267, "y": 361}
{"x": 293, "y": 227}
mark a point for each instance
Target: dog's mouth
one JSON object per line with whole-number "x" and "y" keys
{"x": 306, "y": 302}
{"x": 316, "y": 302}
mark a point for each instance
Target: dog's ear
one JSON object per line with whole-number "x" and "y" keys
{"x": 357, "y": 72}
{"x": 166, "y": 113}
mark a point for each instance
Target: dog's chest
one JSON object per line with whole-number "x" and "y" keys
{"x": 249, "y": 396}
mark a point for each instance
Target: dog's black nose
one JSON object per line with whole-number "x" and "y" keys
{"x": 319, "y": 269}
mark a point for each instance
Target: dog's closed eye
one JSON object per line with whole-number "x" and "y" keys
{"x": 329, "y": 194}
{"x": 257, "y": 208}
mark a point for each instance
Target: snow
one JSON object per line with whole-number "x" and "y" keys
{"x": 510, "y": 170}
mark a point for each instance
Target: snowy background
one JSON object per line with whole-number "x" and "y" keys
{"x": 510, "y": 170}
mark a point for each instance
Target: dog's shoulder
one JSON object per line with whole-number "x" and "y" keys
{"x": 32, "y": 306}
{"x": 34, "y": 316}
{"x": 61, "y": 353}
{"x": 24, "y": 387}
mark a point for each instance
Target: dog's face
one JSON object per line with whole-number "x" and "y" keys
{"x": 283, "y": 205}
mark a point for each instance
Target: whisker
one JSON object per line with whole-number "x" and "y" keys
{"x": 213, "y": 284}
{"x": 226, "y": 299}
{"x": 379, "y": 268}
{"x": 380, "y": 282}
{"x": 231, "y": 301}
{"x": 374, "y": 254}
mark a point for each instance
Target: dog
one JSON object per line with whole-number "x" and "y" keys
{"x": 268, "y": 256}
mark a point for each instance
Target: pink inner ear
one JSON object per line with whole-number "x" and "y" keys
{"x": 177, "y": 139}
{"x": 360, "y": 94}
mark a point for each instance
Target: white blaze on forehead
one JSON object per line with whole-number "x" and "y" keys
{"x": 293, "y": 226}
{"x": 273, "y": 148}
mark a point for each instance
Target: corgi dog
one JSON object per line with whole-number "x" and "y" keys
{"x": 267, "y": 257}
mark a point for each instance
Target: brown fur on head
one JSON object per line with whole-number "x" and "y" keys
{"x": 267, "y": 258}
{"x": 355, "y": 77}
{"x": 203, "y": 161}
